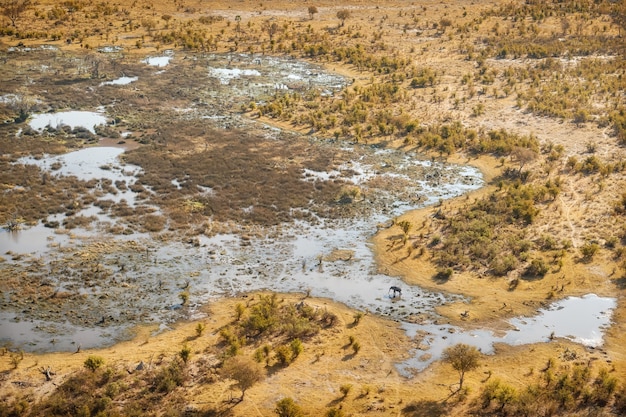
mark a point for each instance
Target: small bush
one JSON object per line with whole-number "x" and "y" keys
{"x": 334, "y": 412}
{"x": 588, "y": 250}
{"x": 345, "y": 389}
{"x": 16, "y": 358}
{"x": 169, "y": 378}
{"x": 184, "y": 297}
{"x": 93, "y": 362}
{"x": 329, "y": 319}
{"x": 444, "y": 274}
{"x": 288, "y": 408}
{"x": 283, "y": 355}
{"x": 185, "y": 353}
{"x": 537, "y": 268}
{"x": 296, "y": 347}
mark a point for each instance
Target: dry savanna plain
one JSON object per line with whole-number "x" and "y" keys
{"x": 532, "y": 93}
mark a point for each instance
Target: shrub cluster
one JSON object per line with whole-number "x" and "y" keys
{"x": 573, "y": 390}
{"x": 489, "y": 234}
{"x": 286, "y": 325}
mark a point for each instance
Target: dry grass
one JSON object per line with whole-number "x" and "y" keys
{"x": 551, "y": 76}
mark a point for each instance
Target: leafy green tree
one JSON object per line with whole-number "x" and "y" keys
{"x": 463, "y": 358}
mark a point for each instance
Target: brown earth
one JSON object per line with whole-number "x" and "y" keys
{"x": 581, "y": 213}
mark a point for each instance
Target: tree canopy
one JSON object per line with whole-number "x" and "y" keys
{"x": 13, "y": 9}
{"x": 244, "y": 371}
{"x": 463, "y": 358}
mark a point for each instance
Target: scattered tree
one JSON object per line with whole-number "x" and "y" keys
{"x": 312, "y": 11}
{"x": 244, "y": 371}
{"x": 240, "y": 309}
{"x": 13, "y": 9}
{"x": 16, "y": 358}
{"x": 523, "y": 156}
{"x": 271, "y": 28}
{"x": 342, "y": 15}
{"x": 463, "y": 358}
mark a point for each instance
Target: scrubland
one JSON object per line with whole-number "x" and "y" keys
{"x": 530, "y": 92}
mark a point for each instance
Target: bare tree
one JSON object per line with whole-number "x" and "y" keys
{"x": 312, "y": 11}
{"x": 13, "y": 9}
{"x": 523, "y": 156}
{"x": 463, "y": 358}
{"x": 342, "y": 15}
{"x": 271, "y": 28}
{"x": 244, "y": 371}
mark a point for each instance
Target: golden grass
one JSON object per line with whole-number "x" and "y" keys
{"x": 483, "y": 92}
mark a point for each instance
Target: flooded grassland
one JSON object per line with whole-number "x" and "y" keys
{"x": 137, "y": 192}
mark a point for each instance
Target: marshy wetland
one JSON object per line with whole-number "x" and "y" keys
{"x": 234, "y": 210}
{"x": 339, "y": 193}
{"x": 213, "y": 205}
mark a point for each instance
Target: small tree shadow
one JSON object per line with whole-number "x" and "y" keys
{"x": 275, "y": 368}
{"x": 225, "y": 411}
{"x": 335, "y": 402}
{"x": 442, "y": 276}
{"x": 426, "y": 408}
{"x": 620, "y": 283}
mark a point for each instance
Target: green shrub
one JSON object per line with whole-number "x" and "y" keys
{"x": 537, "y": 268}
{"x": 334, "y": 412}
{"x": 588, "y": 250}
{"x": 444, "y": 274}
{"x": 93, "y": 362}
{"x": 169, "y": 377}
{"x": 288, "y": 408}
{"x": 283, "y": 355}
{"x": 296, "y": 347}
{"x": 200, "y": 329}
{"x": 185, "y": 354}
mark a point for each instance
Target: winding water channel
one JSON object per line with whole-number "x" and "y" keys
{"x": 146, "y": 279}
